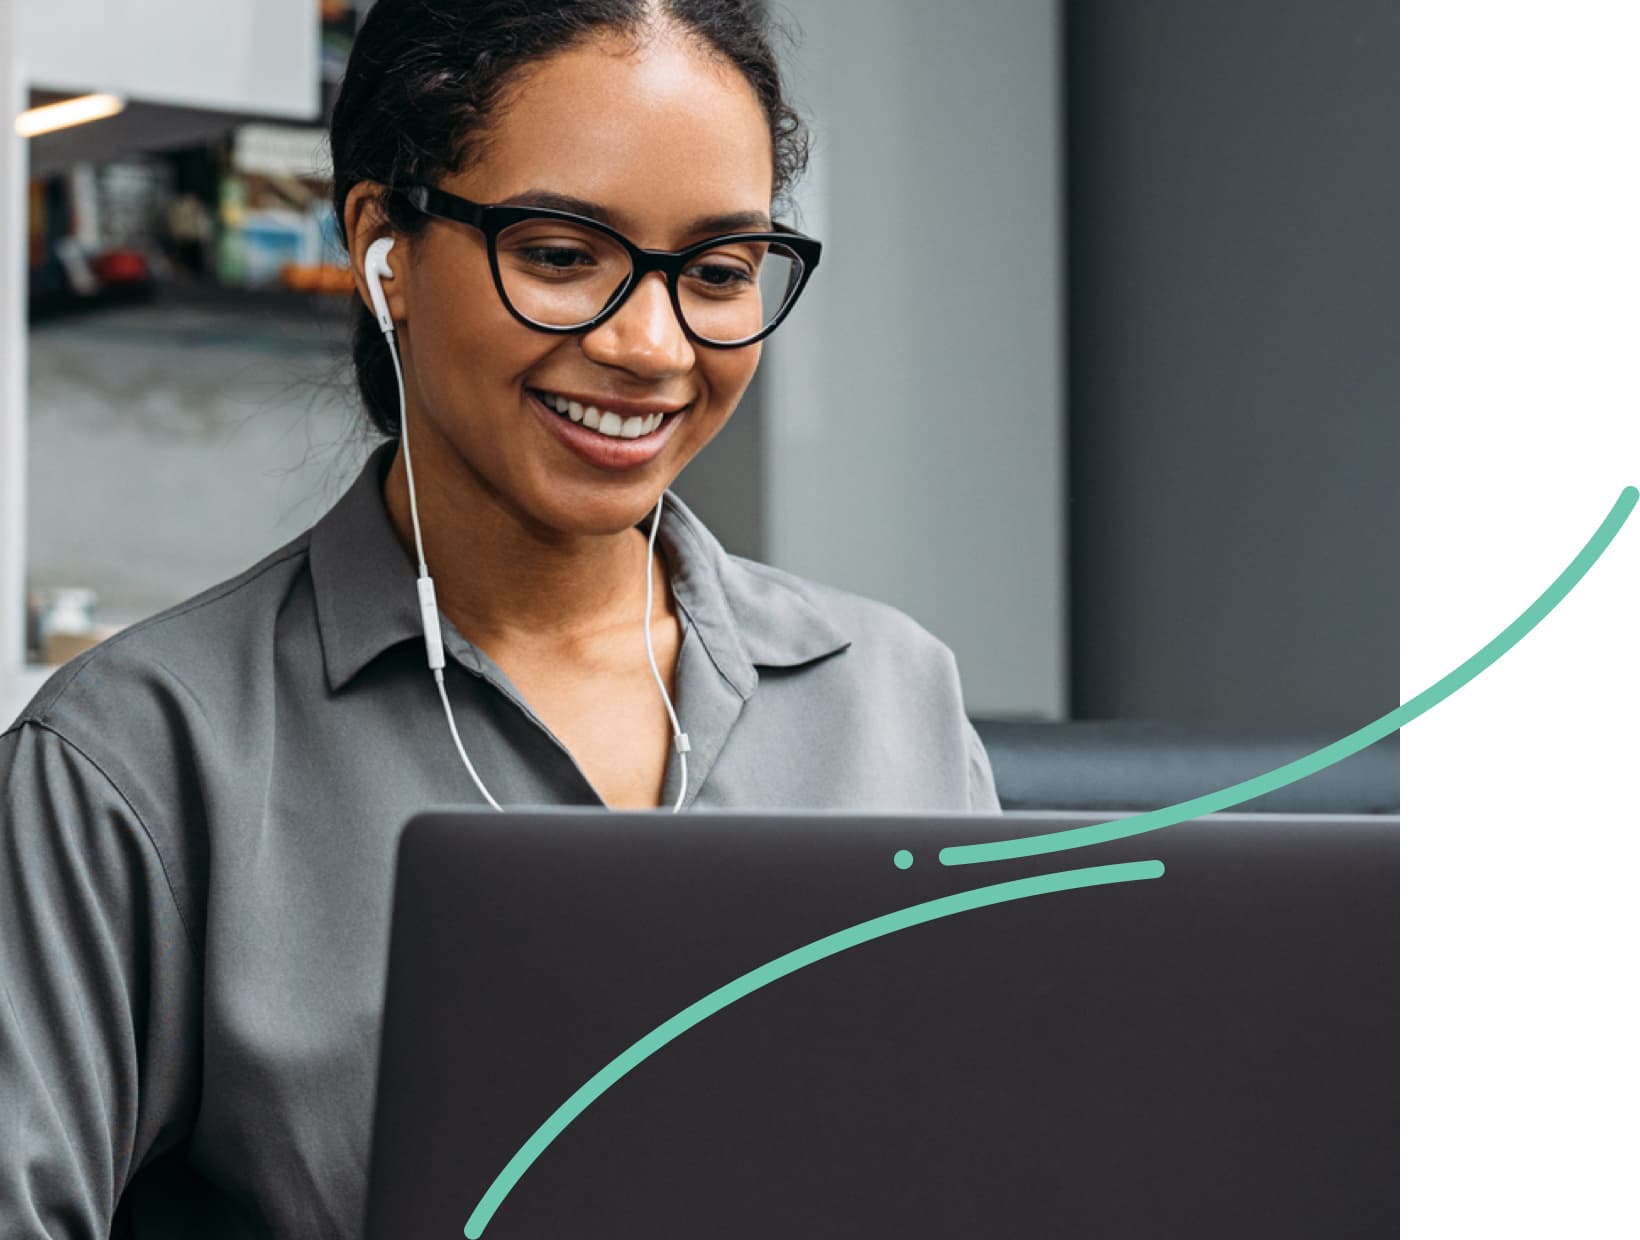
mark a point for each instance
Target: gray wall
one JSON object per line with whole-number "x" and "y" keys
{"x": 724, "y": 485}
{"x": 1233, "y": 310}
{"x": 913, "y": 416}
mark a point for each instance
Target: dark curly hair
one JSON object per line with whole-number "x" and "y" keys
{"x": 425, "y": 75}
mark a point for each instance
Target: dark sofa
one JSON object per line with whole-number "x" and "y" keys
{"x": 1143, "y": 764}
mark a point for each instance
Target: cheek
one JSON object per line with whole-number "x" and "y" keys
{"x": 474, "y": 354}
{"x": 729, "y": 372}
{"x": 453, "y": 295}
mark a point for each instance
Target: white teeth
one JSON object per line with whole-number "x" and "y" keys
{"x": 605, "y": 423}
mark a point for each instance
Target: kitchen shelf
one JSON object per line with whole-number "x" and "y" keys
{"x": 163, "y": 297}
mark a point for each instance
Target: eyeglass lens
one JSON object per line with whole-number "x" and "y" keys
{"x": 561, "y": 275}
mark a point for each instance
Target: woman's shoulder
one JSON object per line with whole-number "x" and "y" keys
{"x": 175, "y": 659}
{"x": 140, "y": 726}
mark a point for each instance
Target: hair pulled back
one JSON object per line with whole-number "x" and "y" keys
{"x": 425, "y": 77}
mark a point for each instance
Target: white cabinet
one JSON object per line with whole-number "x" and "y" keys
{"x": 235, "y": 55}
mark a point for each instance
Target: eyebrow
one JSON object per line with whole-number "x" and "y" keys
{"x": 731, "y": 221}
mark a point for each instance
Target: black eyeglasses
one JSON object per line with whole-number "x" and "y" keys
{"x": 560, "y": 272}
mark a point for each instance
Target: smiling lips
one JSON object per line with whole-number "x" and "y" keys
{"x": 606, "y": 423}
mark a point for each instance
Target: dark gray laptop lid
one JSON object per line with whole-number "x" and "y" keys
{"x": 1208, "y": 1052}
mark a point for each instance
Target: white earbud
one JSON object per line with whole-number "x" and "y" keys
{"x": 375, "y": 267}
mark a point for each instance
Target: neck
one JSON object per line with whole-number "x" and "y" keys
{"x": 509, "y": 585}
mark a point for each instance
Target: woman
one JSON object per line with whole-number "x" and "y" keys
{"x": 200, "y": 816}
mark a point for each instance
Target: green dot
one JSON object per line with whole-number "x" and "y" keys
{"x": 903, "y": 859}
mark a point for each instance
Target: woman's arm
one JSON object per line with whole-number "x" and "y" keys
{"x": 99, "y": 1023}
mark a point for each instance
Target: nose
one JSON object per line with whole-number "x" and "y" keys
{"x": 644, "y": 335}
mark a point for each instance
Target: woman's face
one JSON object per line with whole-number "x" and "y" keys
{"x": 659, "y": 139}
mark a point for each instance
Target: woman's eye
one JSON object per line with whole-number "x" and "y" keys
{"x": 557, "y": 258}
{"x": 720, "y": 276}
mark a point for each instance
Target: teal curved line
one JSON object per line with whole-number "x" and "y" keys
{"x": 774, "y": 970}
{"x": 1302, "y": 768}
{"x": 1065, "y": 880}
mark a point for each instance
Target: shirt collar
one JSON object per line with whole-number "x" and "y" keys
{"x": 746, "y": 615}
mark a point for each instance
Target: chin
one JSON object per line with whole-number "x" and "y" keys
{"x": 607, "y": 510}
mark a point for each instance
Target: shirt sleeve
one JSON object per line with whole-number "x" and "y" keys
{"x": 982, "y": 788}
{"x": 98, "y": 1026}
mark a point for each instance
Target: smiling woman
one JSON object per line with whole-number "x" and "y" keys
{"x": 644, "y": 124}
{"x": 579, "y": 203}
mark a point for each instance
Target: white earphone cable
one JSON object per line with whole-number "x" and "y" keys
{"x": 680, "y": 738}
{"x": 409, "y": 467}
{"x": 434, "y": 660}
{"x": 434, "y": 641}
{"x": 449, "y": 715}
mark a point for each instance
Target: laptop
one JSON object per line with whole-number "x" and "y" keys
{"x": 617, "y": 1024}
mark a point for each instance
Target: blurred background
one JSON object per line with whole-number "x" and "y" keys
{"x": 1098, "y": 380}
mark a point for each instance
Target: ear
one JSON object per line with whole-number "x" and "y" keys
{"x": 366, "y": 221}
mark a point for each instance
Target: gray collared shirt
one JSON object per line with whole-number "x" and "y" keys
{"x": 198, "y": 821}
